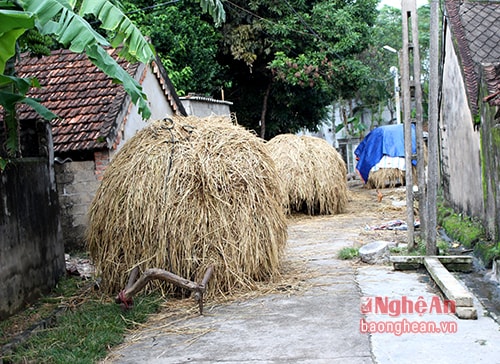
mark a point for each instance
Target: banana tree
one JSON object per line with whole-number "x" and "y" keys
{"x": 65, "y": 21}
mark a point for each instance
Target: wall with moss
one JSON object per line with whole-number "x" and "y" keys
{"x": 490, "y": 157}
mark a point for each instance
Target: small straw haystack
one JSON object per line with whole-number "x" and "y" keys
{"x": 184, "y": 194}
{"x": 392, "y": 177}
{"x": 387, "y": 178}
{"x": 314, "y": 175}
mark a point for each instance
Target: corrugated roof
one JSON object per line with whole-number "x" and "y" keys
{"x": 201, "y": 98}
{"x": 475, "y": 26}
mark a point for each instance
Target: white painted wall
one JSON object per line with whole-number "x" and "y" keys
{"x": 78, "y": 181}
{"x": 460, "y": 144}
{"x": 158, "y": 104}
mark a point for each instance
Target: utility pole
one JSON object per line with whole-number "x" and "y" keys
{"x": 433, "y": 168}
{"x": 394, "y": 72}
{"x": 410, "y": 81}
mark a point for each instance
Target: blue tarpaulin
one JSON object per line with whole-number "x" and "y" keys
{"x": 384, "y": 140}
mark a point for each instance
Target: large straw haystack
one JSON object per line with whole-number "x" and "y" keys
{"x": 314, "y": 175}
{"x": 184, "y": 194}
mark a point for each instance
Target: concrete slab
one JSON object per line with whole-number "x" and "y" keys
{"x": 466, "y": 313}
{"x": 455, "y": 263}
{"x": 450, "y": 286}
{"x": 319, "y": 324}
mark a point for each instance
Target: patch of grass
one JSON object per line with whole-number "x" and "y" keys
{"x": 403, "y": 250}
{"x": 397, "y": 250}
{"x": 420, "y": 249}
{"x": 469, "y": 232}
{"x": 460, "y": 227}
{"x": 348, "y": 253}
{"x": 443, "y": 247}
{"x": 487, "y": 251}
{"x": 84, "y": 333}
{"x": 67, "y": 287}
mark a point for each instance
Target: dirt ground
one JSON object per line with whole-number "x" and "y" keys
{"x": 365, "y": 211}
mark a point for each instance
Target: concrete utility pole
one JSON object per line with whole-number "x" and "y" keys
{"x": 433, "y": 167}
{"x": 410, "y": 80}
{"x": 394, "y": 72}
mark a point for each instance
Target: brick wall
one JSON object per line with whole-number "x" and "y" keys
{"x": 77, "y": 184}
{"x": 101, "y": 163}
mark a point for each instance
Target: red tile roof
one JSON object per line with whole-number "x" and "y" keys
{"x": 88, "y": 102}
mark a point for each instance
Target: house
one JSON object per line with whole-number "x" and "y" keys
{"x": 469, "y": 109}
{"x": 96, "y": 118}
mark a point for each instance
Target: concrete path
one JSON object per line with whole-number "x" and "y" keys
{"x": 466, "y": 341}
{"x": 319, "y": 320}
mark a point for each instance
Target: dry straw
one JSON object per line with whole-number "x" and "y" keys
{"x": 392, "y": 177}
{"x": 314, "y": 175}
{"x": 386, "y": 178}
{"x": 186, "y": 193}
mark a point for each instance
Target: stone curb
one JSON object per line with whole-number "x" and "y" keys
{"x": 452, "y": 288}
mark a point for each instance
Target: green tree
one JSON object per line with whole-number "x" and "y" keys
{"x": 280, "y": 62}
{"x": 387, "y": 31}
{"x": 288, "y": 60}
{"x": 186, "y": 42}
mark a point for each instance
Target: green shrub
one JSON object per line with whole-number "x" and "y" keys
{"x": 460, "y": 227}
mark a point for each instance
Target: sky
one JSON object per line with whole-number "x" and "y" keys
{"x": 397, "y": 3}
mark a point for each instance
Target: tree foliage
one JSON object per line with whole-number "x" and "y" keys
{"x": 185, "y": 42}
{"x": 293, "y": 58}
{"x": 379, "y": 92}
{"x": 280, "y": 62}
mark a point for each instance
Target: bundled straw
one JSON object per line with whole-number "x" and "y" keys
{"x": 313, "y": 174}
{"x": 386, "y": 178}
{"x": 184, "y": 194}
{"x": 392, "y": 177}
